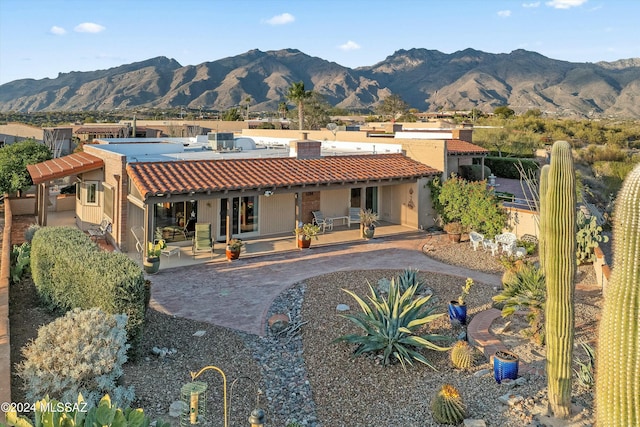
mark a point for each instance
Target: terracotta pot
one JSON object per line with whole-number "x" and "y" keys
{"x": 232, "y": 254}
{"x": 304, "y": 243}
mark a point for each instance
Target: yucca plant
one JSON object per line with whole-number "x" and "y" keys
{"x": 390, "y": 325}
{"x": 526, "y": 290}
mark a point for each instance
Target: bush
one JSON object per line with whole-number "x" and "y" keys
{"x": 29, "y": 232}
{"x": 474, "y": 172}
{"x": 506, "y": 167}
{"x": 390, "y": 324}
{"x": 81, "y": 352}
{"x": 470, "y": 203}
{"x": 70, "y": 271}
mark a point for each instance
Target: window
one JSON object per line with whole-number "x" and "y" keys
{"x": 108, "y": 201}
{"x": 91, "y": 192}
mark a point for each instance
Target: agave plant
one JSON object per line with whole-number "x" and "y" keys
{"x": 390, "y": 325}
{"x": 526, "y": 290}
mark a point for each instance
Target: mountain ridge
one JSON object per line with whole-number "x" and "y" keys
{"x": 427, "y": 80}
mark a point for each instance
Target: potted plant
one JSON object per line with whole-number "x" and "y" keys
{"x": 505, "y": 365}
{"x": 368, "y": 220}
{"x": 454, "y": 230}
{"x": 306, "y": 232}
{"x": 151, "y": 262}
{"x": 458, "y": 307}
{"x": 234, "y": 246}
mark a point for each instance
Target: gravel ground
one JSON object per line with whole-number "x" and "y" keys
{"x": 307, "y": 378}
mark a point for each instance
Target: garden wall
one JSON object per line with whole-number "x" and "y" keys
{"x": 5, "y": 338}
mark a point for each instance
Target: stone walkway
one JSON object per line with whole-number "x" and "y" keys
{"x": 238, "y": 294}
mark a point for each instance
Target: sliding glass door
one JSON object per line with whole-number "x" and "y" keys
{"x": 243, "y": 215}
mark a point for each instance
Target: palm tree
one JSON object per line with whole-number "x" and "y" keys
{"x": 297, "y": 94}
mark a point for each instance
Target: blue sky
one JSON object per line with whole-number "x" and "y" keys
{"x": 40, "y": 38}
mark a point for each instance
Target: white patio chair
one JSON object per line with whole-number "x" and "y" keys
{"x": 475, "y": 239}
{"x": 508, "y": 242}
{"x": 489, "y": 244}
{"x": 320, "y": 220}
{"x": 354, "y": 216}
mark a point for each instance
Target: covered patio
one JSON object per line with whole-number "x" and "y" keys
{"x": 340, "y": 235}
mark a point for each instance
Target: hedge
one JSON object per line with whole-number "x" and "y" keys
{"x": 70, "y": 271}
{"x": 506, "y": 167}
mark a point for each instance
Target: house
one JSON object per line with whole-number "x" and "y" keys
{"x": 158, "y": 185}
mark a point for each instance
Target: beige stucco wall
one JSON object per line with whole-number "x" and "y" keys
{"x": 522, "y": 221}
{"x": 395, "y": 206}
{"x": 429, "y": 152}
{"x": 335, "y": 203}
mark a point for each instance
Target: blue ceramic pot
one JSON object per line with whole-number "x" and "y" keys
{"x": 457, "y": 313}
{"x": 505, "y": 366}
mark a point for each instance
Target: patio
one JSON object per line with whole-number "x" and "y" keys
{"x": 182, "y": 256}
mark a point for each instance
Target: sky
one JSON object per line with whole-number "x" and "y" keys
{"x": 41, "y": 38}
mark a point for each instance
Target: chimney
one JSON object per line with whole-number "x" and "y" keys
{"x": 305, "y": 148}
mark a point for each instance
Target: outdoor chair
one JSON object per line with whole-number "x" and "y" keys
{"x": 322, "y": 222}
{"x": 354, "y": 216}
{"x": 190, "y": 228}
{"x": 202, "y": 240}
{"x": 475, "y": 239}
{"x": 507, "y": 241}
{"x": 489, "y": 244}
{"x": 100, "y": 232}
{"x": 138, "y": 234}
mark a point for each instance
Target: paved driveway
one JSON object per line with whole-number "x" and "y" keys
{"x": 238, "y": 294}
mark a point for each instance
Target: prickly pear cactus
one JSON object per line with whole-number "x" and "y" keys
{"x": 558, "y": 220}
{"x": 618, "y": 355}
{"x": 447, "y": 406}
{"x": 462, "y": 355}
{"x": 588, "y": 238}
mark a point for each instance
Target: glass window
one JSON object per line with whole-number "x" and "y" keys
{"x": 91, "y": 188}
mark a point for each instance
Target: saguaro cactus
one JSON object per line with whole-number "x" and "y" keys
{"x": 558, "y": 220}
{"x": 618, "y": 355}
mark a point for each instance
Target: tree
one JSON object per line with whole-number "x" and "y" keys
{"x": 283, "y": 109}
{"x": 14, "y": 159}
{"x": 298, "y": 94}
{"x": 316, "y": 110}
{"x": 232, "y": 115}
{"x": 394, "y": 106}
{"x": 247, "y": 102}
{"x": 504, "y": 112}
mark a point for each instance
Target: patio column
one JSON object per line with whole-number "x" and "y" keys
{"x": 482, "y": 163}
{"x": 228, "y": 229}
{"x": 298, "y": 214}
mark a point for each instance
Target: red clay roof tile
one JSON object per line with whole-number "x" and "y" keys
{"x": 155, "y": 178}
{"x": 63, "y": 166}
{"x": 458, "y": 146}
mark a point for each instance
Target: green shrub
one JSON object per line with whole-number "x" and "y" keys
{"x": 20, "y": 261}
{"x": 506, "y": 167}
{"x": 70, "y": 271}
{"x": 525, "y": 289}
{"x": 81, "y": 352}
{"x": 470, "y": 203}
{"x": 474, "y": 172}
{"x": 390, "y": 325}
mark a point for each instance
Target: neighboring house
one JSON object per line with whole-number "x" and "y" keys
{"x": 162, "y": 184}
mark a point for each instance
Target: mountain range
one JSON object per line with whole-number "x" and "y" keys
{"x": 427, "y": 80}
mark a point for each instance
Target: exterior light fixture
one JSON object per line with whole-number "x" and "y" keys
{"x": 257, "y": 418}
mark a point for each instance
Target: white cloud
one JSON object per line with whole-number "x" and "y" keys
{"x": 282, "y": 19}
{"x": 350, "y": 45}
{"x": 58, "y": 31}
{"x": 89, "y": 27}
{"x": 533, "y": 4}
{"x": 565, "y": 4}
{"x": 504, "y": 13}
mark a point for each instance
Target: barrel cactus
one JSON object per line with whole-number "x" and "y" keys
{"x": 558, "y": 221}
{"x": 447, "y": 406}
{"x": 618, "y": 361}
{"x": 462, "y": 355}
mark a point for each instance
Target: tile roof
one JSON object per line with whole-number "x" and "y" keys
{"x": 179, "y": 177}
{"x": 64, "y": 166}
{"x": 458, "y": 146}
